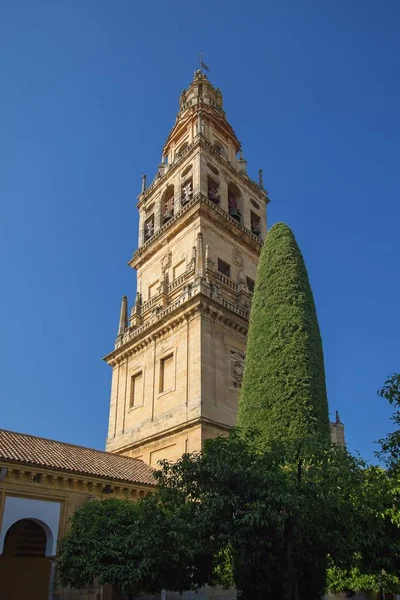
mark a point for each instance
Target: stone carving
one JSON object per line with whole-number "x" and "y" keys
{"x": 166, "y": 261}
{"x": 187, "y": 192}
{"x": 213, "y": 191}
{"x": 182, "y": 98}
{"x": 237, "y": 368}
{"x": 149, "y": 228}
{"x": 237, "y": 257}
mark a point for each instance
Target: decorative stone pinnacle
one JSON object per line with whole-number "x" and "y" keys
{"x": 123, "y": 316}
{"x": 199, "y": 268}
{"x": 261, "y": 178}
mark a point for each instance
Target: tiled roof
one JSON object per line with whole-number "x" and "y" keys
{"x": 40, "y": 452}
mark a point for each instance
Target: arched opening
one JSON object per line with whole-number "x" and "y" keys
{"x": 213, "y": 190}
{"x": 255, "y": 221}
{"x": 182, "y": 149}
{"x": 24, "y": 568}
{"x": 148, "y": 229}
{"x": 235, "y": 202}
{"x": 167, "y": 204}
{"x": 25, "y": 538}
{"x": 187, "y": 190}
{"x": 219, "y": 149}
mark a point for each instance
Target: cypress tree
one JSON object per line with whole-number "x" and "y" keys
{"x": 283, "y": 392}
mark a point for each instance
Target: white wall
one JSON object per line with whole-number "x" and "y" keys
{"x": 46, "y": 514}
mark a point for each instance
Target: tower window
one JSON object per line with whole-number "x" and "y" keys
{"x": 219, "y": 149}
{"x": 187, "y": 190}
{"x": 136, "y": 395}
{"x": 224, "y": 268}
{"x": 149, "y": 228}
{"x": 255, "y": 221}
{"x": 168, "y": 203}
{"x": 167, "y": 373}
{"x": 234, "y": 202}
{"x": 213, "y": 190}
{"x": 250, "y": 284}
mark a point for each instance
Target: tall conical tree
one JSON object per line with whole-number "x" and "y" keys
{"x": 283, "y": 392}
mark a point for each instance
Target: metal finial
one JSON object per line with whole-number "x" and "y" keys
{"x": 203, "y": 66}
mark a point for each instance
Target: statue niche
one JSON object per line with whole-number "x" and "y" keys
{"x": 167, "y": 204}
{"x": 213, "y": 191}
{"x": 255, "y": 223}
{"x": 149, "y": 228}
{"x": 186, "y": 191}
{"x": 234, "y": 202}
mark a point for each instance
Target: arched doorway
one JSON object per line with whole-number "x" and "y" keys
{"x": 24, "y": 567}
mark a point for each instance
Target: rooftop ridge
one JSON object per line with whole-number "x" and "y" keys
{"x": 28, "y": 449}
{"x": 38, "y": 437}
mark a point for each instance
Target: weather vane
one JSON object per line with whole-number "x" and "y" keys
{"x": 203, "y": 65}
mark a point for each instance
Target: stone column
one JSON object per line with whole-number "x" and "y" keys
{"x": 199, "y": 269}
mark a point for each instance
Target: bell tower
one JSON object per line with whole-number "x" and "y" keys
{"x": 178, "y": 359}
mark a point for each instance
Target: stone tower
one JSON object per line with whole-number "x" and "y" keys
{"x": 178, "y": 358}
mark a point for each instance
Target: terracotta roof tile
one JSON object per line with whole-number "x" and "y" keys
{"x": 32, "y": 450}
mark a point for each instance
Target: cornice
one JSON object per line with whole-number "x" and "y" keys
{"x": 58, "y": 479}
{"x": 201, "y": 303}
{"x": 170, "y": 431}
{"x": 201, "y": 141}
{"x": 180, "y": 219}
{"x": 147, "y": 334}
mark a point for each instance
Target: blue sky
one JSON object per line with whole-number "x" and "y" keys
{"x": 89, "y": 92}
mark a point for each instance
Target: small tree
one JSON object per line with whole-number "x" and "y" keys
{"x": 134, "y": 546}
{"x": 221, "y": 516}
{"x": 375, "y": 566}
{"x": 390, "y": 445}
{"x": 246, "y": 496}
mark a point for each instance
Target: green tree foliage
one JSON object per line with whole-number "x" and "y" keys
{"x": 246, "y": 500}
{"x": 390, "y": 445}
{"x": 225, "y": 516}
{"x": 133, "y": 546}
{"x": 375, "y": 565}
{"x": 283, "y": 392}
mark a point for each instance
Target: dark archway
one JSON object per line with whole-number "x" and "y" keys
{"x": 25, "y": 538}
{"x": 235, "y": 202}
{"x": 167, "y": 203}
{"x": 24, "y": 567}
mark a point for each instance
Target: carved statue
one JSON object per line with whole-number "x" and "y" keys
{"x": 166, "y": 261}
{"x": 148, "y": 229}
{"x": 237, "y": 367}
{"x": 219, "y": 99}
{"x": 232, "y": 204}
{"x": 187, "y": 192}
{"x": 237, "y": 257}
{"x": 182, "y": 99}
{"x": 255, "y": 225}
{"x": 213, "y": 191}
